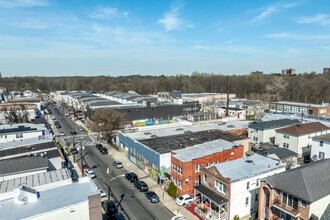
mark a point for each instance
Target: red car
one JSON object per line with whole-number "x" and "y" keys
{"x": 85, "y": 167}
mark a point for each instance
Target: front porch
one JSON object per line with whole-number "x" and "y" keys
{"x": 210, "y": 205}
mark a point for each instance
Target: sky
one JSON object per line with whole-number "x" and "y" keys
{"x": 125, "y": 37}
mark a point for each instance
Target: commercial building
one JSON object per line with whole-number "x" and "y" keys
{"x": 288, "y": 72}
{"x": 186, "y": 163}
{"x": 237, "y": 113}
{"x": 300, "y": 193}
{"x": 300, "y": 108}
{"x": 232, "y": 188}
{"x": 320, "y": 147}
{"x": 206, "y": 97}
{"x": 298, "y": 138}
{"x": 264, "y": 131}
{"x": 77, "y": 201}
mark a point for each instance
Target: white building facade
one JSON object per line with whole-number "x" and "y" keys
{"x": 321, "y": 147}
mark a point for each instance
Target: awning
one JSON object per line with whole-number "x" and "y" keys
{"x": 209, "y": 193}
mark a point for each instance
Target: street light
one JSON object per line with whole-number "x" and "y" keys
{"x": 81, "y": 158}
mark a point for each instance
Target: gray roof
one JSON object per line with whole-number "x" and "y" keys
{"x": 282, "y": 153}
{"x": 264, "y": 125}
{"x": 326, "y": 213}
{"x": 247, "y": 167}
{"x": 324, "y": 137}
{"x": 22, "y": 164}
{"x": 309, "y": 182}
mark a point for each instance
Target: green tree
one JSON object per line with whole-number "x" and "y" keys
{"x": 172, "y": 190}
{"x": 236, "y": 217}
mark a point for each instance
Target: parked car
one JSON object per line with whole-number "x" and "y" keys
{"x": 142, "y": 186}
{"x": 53, "y": 117}
{"x": 184, "y": 200}
{"x": 58, "y": 125}
{"x": 74, "y": 151}
{"x": 110, "y": 209}
{"x": 90, "y": 173}
{"x": 98, "y": 146}
{"x": 177, "y": 217}
{"x": 103, "y": 150}
{"x": 132, "y": 177}
{"x": 73, "y": 132}
{"x": 152, "y": 196}
{"x": 104, "y": 196}
{"x": 62, "y": 133}
{"x": 117, "y": 164}
{"x": 85, "y": 167}
{"x": 81, "y": 129}
{"x": 117, "y": 216}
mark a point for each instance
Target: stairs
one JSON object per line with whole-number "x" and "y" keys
{"x": 191, "y": 209}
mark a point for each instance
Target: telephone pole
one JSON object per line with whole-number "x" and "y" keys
{"x": 109, "y": 178}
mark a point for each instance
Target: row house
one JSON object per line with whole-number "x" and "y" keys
{"x": 298, "y": 138}
{"x": 232, "y": 188}
{"x": 186, "y": 163}
{"x": 321, "y": 147}
{"x": 302, "y": 193}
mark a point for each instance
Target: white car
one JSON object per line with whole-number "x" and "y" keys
{"x": 53, "y": 117}
{"x": 62, "y": 133}
{"x": 90, "y": 173}
{"x": 178, "y": 218}
{"x": 184, "y": 200}
{"x": 104, "y": 196}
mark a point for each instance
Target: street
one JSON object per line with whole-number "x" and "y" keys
{"x": 134, "y": 204}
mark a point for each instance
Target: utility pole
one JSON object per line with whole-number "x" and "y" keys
{"x": 81, "y": 158}
{"x": 109, "y": 178}
{"x": 73, "y": 144}
{"x": 227, "y": 113}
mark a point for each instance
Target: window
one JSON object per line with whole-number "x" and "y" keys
{"x": 303, "y": 203}
{"x": 205, "y": 178}
{"x": 321, "y": 155}
{"x": 321, "y": 143}
{"x": 197, "y": 181}
{"x": 287, "y": 108}
{"x": 174, "y": 180}
{"x": 220, "y": 187}
{"x": 138, "y": 155}
{"x": 146, "y": 161}
{"x": 278, "y": 192}
{"x": 280, "y": 107}
{"x": 174, "y": 167}
{"x": 273, "y": 107}
{"x": 17, "y": 135}
{"x": 179, "y": 170}
{"x": 284, "y": 198}
{"x": 257, "y": 196}
{"x": 216, "y": 162}
{"x": 303, "y": 110}
{"x": 207, "y": 164}
{"x": 286, "y": 136}
{"x": 180, "y": 184}
{"x": 257, "y": 182}
{"x": 290, "y": 200}
{"x": 198, "y": 169}
{"x": 248, "y": 185}
{"x": 295, "y": 109}
{"x": 132, "y": 151}
{"x": 246, "y": 201}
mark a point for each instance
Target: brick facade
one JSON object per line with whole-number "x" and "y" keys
{"x": 189, "y": 168}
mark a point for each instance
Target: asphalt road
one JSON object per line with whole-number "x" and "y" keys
{"x": 134, "y": 204}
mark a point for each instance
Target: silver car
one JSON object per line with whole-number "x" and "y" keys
{"x": 117, "y": 164}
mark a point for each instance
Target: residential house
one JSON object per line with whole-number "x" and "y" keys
{"x": 22, "y": 131}
{"x": 232, "y": 188}
{"x": 298, "y": 138}
{"x": 186, "y": 163}
{"x": 238, "y": 113}
{"x": 302, "y": 193}
{"x": 320, "y": 147}
{"x": 264, "y": 131}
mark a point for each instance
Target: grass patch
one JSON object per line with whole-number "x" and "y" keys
{"x": 250, "y": 117}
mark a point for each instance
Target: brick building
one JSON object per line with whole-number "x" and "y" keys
{"x": 302, "y": 193}
{"x": 257, "y": 73}
{"x": 302, "y": 108}
{"x": 186, "y": 163}
{"x": 288, "y": 72}
{"x": 326, "y": 70}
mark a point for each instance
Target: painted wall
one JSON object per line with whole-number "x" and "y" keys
{"x": 316, "y": 148}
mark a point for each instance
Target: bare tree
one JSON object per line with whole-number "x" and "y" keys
{"x": 16, "y": 114}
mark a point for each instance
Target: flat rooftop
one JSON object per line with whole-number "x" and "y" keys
{"x": 180, "y": 141}
{"x": 247, "y": 167}
{"x": 163, "y": 132}
{"x": 50, "y": 200}
{"x": 197, "y": 95}
{"x": 22, "y": 127}
{"x": 46, "y": 142}
{"x": 202, "y": 150}
{"x": 302, "y": 104}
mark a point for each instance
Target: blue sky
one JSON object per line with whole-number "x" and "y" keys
{"x": 124, "y": 37}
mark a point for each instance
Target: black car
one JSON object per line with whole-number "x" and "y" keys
{"x": 73, "y": 132}
{"x": 74, "y": 151}
{"x": 142, "y": 186}
{"x": 117, "y": 216}
{"x": 132, "y": 177}
{"x": 110, "y": 209}
{"x": 99, "y": 146}
{"x": 103, "y": 150}
{"x": 58, "y": 125}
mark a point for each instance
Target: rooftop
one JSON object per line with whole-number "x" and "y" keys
{"x": 307, "y": 182}
{"x": 325, "y": 137}
{"x": 303, "y": 104}
{"x": 180, "y": 141}
{"x": 202, "y": 150}
{"x": 42, "y": 142}
{"x": 303, "y": 129}
{"x": 247, "y": 167}
{"x": 50, "y": 200}
{"x": 281, "y": 152}
{"x": 21, "y": 127}
{"x": 197, "y": 95}
{"x": 264, "y": 125}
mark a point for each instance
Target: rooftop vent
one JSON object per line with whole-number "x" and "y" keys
{"x": 249, "y": 161}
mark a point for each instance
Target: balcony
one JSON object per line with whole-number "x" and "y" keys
{"x": 289, "y": 210}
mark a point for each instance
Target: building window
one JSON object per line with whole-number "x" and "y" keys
{"x": 180, "y": 184}
{"x": 257, "y": 182}
{"x": 257, "y": 196}
{"x": 207, "y": 164}
{"x": 295, "y": 109}
{"x": 280, "y": 107}
{"x": 174, "y": 180}
{"x": 174, "y": 167}
{"x": 321, "y": 143}
{"x": 303, "y": 110}
{"x": 216, "y": 162}
{"x": 303, "y": 203}
{"x": 246, "y": 201}
{"x": 179, "y": 170}
{"x": 290, "y": 200}
{"x": 146, "y": 161}
{"x": 132, "y": 151}
{"x": 198, "y": 169}
{"x": 286, "y": 136}
{"x": 321, "y": 155}
{"x": 205, "y": 178}
{"x": 287, "y": 108}
{"x": 278, "y": 192}
{"x": 138, "y": 155}
{"x": 248, "y": 185}
{"x": 273, "y": 107}
{"x": 197, "y": 181}
{"x": 220, "y": 187}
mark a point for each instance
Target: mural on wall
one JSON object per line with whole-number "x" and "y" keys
{"x": 143, "y": 123}
{"x": 148, "y": 170}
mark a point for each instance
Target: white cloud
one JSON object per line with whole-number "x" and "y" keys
{"x": 290, "y": 36}
{"x": 172, "y": 20}
{"x": 322, "y": 19}
{"x": 31, "y": 23}
{"x": 270, "y": 10}
{"x": 23, "y": 3}
{"x": 104, "y": 12}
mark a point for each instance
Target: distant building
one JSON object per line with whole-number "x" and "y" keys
{"x": 326, "y": 70}
{"x": 300, "y": 193}
{"x": 238, "y": 113}
{"x": 288, "y": 72}
{"x": 206, "y": 97}
{"x": 321, "y": 147}
{"x": 302, "y": 108}
{"x": 257, "y": 73}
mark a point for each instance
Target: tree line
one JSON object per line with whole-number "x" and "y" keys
{"x": 307, "y": 87}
